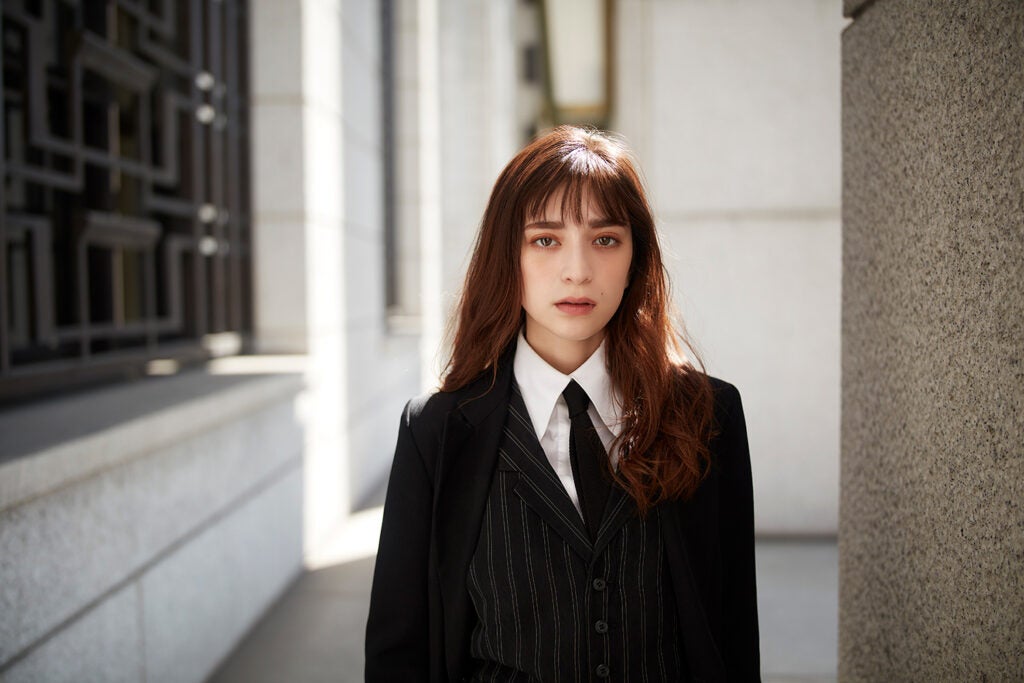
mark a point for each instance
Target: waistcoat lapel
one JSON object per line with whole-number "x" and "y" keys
{"x": 616, "y": 513}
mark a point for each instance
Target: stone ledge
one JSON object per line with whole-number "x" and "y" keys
{"x": 46, "y": 446}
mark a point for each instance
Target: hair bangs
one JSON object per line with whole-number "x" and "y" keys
{"x": 579, "y": 176}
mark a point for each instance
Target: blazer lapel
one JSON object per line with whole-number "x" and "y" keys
{"x": 466, "y": 463}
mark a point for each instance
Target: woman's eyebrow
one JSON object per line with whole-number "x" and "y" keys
{"x": 558, "y": 225}
{"x": 607, "y": 223}
{"x": 544, "y": 225}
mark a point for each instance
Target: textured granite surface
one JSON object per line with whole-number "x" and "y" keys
{"x": 932, "y": 472}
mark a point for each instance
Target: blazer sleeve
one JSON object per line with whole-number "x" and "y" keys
{"x": 397, "y": 627}
{"x": 741, "y": 650}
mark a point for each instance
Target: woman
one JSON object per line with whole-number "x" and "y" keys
{"x": 575, "y": 503}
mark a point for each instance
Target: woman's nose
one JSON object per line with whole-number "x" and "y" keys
{"x": 577, "y": 268}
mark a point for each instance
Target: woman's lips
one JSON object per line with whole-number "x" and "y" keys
{"x": 575, "y": 306}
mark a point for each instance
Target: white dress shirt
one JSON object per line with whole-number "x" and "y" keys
{"x": 542, "y": 387}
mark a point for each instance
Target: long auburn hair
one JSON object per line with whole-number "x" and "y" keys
{"x": 667, "y": 402}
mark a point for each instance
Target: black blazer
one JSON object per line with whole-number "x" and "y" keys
{"x": 421, "y": 615}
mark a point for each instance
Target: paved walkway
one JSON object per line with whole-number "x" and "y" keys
{"x": 315, "y": 631}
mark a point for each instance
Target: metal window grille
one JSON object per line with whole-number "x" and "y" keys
{"x": 124, "y": 209}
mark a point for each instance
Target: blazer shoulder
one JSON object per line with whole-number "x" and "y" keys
{"x": 425, "y": 414}
{"x": 728, "y": 403}
{"x": 473, "y": 401}
{"x": 722, "y": 388}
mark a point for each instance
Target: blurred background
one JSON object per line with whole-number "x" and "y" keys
{"x": 232, "y": 233}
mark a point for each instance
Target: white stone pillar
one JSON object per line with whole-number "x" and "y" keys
{"x": 733, "y": 108}
{"x": 298, "y": 207}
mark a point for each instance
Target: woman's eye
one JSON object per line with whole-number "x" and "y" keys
{"x": 606, "y": 241}
{"x": 544, "y": 241}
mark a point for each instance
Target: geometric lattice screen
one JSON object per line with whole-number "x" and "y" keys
{"x": 125, "y": 229}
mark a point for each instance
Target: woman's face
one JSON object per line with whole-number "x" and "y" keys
{"x": 574, "y": 275}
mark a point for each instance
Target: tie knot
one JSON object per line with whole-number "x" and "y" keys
{"x": 576, "y": 399}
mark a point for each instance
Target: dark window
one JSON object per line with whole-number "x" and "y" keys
{"x": 388, "y": 134}
{"x": 124, "y": 234}
{"x": 532, "y": 64}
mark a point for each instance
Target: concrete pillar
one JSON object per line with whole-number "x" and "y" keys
{"x": 931, "y": 514}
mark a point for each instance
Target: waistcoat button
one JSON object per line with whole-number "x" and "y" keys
{"x": 601, "y": 626}
{"x": 599, "y": 584}
{"x": 602, "y": 671}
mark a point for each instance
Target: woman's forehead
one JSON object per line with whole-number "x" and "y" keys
{"x": 571, "y": 201}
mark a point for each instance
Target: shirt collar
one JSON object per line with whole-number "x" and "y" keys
{"x": 541, "y": 386}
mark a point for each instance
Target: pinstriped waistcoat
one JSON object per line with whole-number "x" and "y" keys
{"x": 552, "y": 605}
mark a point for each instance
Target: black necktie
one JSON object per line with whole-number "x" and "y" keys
{"x": 588, "y": 457}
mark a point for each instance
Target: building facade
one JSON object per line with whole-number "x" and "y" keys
{"x": 288, "y": 197}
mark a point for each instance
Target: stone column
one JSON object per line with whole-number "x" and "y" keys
{"x": 932, "y": 505}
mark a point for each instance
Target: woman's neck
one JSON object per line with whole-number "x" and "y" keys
{"x": 563, "y": 355}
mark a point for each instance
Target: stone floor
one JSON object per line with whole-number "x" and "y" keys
{"x": 315, "y": 631}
